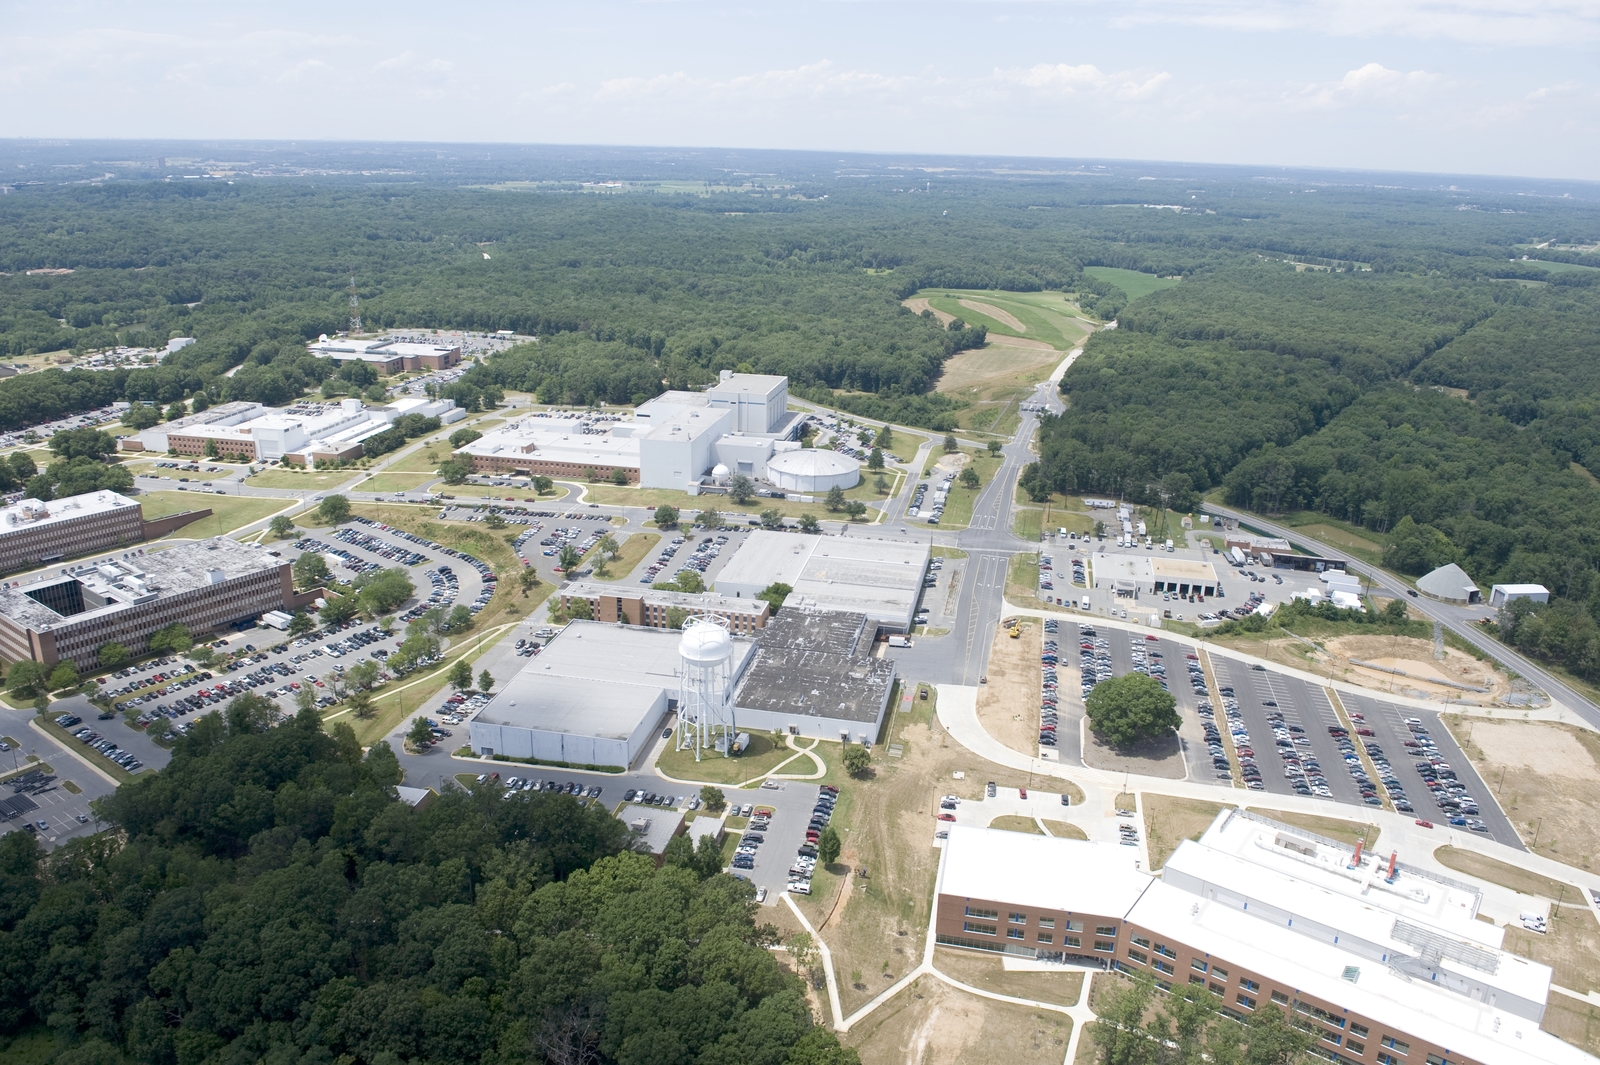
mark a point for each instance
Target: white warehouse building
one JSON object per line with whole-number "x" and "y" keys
{"x": 673, "y": 441}
{"x": 812, "y": 470}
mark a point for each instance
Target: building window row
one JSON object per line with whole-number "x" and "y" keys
{"x": 979, "y": 928}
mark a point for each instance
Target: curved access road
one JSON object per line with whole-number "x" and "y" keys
{"x": 1460, "y": 620}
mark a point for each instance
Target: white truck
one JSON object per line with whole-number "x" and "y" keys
{"x": 899, "y": 640}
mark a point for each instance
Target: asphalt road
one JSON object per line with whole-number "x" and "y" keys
{"x": 1460, "y": 620}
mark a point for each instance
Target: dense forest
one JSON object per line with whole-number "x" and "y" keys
{"x": 267, "y": 899}
{"x": 1401, "y": 353}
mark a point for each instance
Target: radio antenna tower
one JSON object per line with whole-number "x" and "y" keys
{"x": 355, "y": 306}
{"x": 705, "y": 692}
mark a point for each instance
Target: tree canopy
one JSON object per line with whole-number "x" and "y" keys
{"x": 267, "y": 896}
{"x": 1132, "y": 708}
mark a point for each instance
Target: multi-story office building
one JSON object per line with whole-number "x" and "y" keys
{"x": 34, "y": 533}
{"x": 1382, "y": 963}
{"x": 204, "y": 586}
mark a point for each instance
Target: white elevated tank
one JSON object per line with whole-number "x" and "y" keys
{"x": 705, "y": 688}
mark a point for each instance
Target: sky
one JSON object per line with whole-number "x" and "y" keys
{"x": 1438, "y": 86}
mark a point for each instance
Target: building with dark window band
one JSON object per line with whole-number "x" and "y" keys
{"x": 208, "y": 585}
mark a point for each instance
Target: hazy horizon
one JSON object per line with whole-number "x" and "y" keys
{"x": 1472, "y": 87}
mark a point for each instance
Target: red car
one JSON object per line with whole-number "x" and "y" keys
{"x": 1425, "y": 824}
{"x": 1022, "y": 793}
{"x": 1152, "y": 639}
{"x": 947, "y": 817}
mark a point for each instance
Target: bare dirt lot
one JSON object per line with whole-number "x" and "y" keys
{"x": 1005, "y": 318}
{"x": 931, "y": 1023}
{"x": 988, "y": 972}
{"x": 1008, "y": 365}
{"x": 887, "y": 825}
{"x": 920, "y": 304}
{"x": 1169, "y": 821}
{"x": 1413, "y": 657}
{"x": 1008, "y": 706}
{"x": 1152, "y": 758}
{"x": 1543, "y": 775}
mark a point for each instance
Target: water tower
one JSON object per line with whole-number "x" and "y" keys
{"x": 705, "y": 687}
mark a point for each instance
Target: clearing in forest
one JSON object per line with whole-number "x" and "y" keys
{"x": 1134, "y": 283}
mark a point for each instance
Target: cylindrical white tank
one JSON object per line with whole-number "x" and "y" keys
{"x": 705, "y": 688}
{"x": 812, "y": 470}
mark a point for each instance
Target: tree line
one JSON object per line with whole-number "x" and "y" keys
{"x": 267, "y": 897}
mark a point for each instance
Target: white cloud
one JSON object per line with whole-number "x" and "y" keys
{"x": 1493, "y": 22}
{"x": 1372, "y": 84}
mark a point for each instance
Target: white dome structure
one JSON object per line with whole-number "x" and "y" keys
{"x": 704, "y": 643}
{"x": 720, "y": 474}
{"x": 812, "y": 470}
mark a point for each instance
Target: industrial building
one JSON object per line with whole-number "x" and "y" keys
{"x": 598, "y": 692}
{"x": 882, "y": 579}
{"x": 1383, "y": 963}
{"x": 302, "y": 434}
{"x": 652, "y": 828}
{"x": 1449, "y": 583}
{"x": 814, "y": 675}
{"x": 811, "y": 471}
{"x": 388, "y": 356}
{"x": 35, "y": 533}
{"x": 1131, "y": 575}
{"x": 1501, "y": 594}
{"x": 653, "y": 608}
{"x": 594, "y": 696}
{"x": 204, "y": 586}
{"x": 676, "y": 440}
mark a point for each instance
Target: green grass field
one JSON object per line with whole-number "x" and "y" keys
{"x": 395, "y": 482}
{"x": 1132, "y": 282}
{"x": 958, "y": 507}
{"x": 227, "y": 512}
{"x": 1562, "y": 268}
{"x": 302, "y": 480}
{"x": 634, "y": 548}
{"x": 1046, "y": 316}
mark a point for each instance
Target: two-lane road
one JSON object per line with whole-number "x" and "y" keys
{"x": 1456, "y": 619}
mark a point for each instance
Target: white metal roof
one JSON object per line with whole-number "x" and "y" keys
{"x": 1040, "y": 871}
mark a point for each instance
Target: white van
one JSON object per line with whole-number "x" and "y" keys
{"x": 1086, "y": 602}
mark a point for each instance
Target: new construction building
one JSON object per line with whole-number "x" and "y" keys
{"x": 1384, "y": 964}
{"x": 676, "y": 440}
{"x": 204, "y": 586}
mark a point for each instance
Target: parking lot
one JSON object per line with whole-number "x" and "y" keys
{"x": 1118, "y": 652}
{"x": 790, "y": 801}
{"x": 51, "y": 801}
{"x": 271, "y": 664}
{"x": 1388, "y": 723}
{"x": 1287, "y": 721}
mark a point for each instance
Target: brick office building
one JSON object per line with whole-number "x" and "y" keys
{"x": 34, "y": 533}
{"x": 652, "y": 608}
{"x": 1382, "y": 963}
{"x": 204, "y": 586}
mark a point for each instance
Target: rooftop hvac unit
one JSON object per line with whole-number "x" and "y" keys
{"x": 215, "y": 576}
